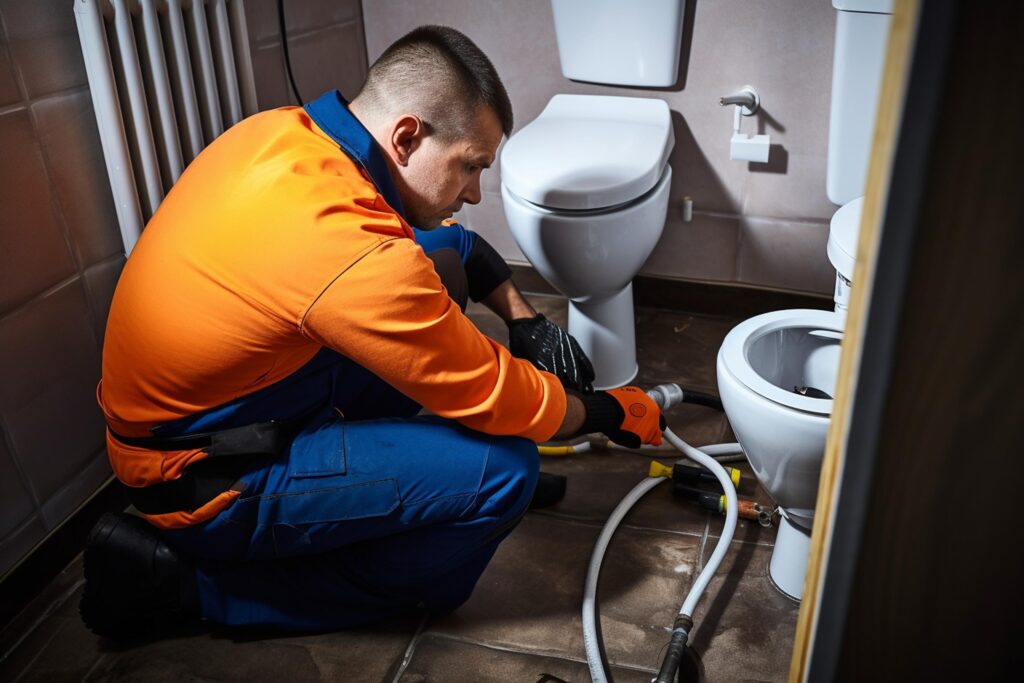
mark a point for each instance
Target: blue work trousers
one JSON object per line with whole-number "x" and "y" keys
{"x": 370, "y": 511}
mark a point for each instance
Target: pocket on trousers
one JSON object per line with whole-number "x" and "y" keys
{"x": 321, "y": 520}
{"x": 337, "y": 503}
{"x": 318, "y": 452}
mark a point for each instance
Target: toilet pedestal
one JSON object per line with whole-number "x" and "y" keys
{"x": 789, "y": 559}
{"x": 606, "y": 331}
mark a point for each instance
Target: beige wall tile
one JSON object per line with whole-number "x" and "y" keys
{"x": 44, "y": 44}
{"x": 332, "y": 58}
{"x": 785, "y": 254}
{"x": 51, "y": 364}
{"x": 797, "y": 193}
{"x": 71, "y": 145}
{"x": 781, "y": 47}
{"x": 703, "y": 249}
{"x": 488, "y": 219}
{"x": 33, "y": 252}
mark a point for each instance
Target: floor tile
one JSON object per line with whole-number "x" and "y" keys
{"x": 743, "y": 626}
{"x": 367, "y": 654}
{"x": 530, "y": 596}
{"x": 443, "y": 659}
{"x": 597, "y": 481}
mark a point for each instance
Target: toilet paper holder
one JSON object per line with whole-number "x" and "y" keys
{"x": 746, "y": 147}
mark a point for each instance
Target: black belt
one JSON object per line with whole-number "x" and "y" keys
{"x": 229, "y": 453}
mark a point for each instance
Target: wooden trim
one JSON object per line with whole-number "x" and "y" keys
{"x": 890, "y": 110}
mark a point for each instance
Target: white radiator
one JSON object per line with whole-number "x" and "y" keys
{"x": 167, "y": 77}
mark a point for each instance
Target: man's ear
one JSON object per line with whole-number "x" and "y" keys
{"x": 407, "y": 133}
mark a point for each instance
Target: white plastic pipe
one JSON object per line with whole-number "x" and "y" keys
{"x": 183, "y": 69}
{"x": 226, "y": 59}
{"x": 161, "y": 89}
{"x": 207, "y": 90}
{"x": 153, "y": 192}
{"x": 100, "y": 71}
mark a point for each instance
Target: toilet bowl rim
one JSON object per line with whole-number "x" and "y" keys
{"x": 733, "y": 355}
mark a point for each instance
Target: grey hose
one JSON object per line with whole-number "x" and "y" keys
{"x": 591, "y": 641}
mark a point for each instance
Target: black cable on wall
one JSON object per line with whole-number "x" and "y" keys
{"x": 287, "y": 57}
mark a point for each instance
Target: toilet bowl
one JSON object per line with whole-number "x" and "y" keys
{"x": 776, "y": 376}
{"x": 585, "y": 190}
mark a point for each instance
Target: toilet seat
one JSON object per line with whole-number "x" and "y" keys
{"x": 587, "y": 152}
{"x": 738, "y": 343}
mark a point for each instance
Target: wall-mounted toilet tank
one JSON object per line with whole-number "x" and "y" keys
{"x": 619, "y": 43}
{"x": 862, "y": 29}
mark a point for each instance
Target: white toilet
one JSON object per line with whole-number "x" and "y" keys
{"x": 585, "y": 185}
{"x": 777, "y": 371}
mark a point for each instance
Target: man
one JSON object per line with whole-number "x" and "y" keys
{"x": 272, "y": 339}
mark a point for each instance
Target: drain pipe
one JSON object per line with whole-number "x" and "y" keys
{"x": 665, "y": 395}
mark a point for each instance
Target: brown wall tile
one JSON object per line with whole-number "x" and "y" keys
{"x": 33, "y": 251}
{"x": 330, "y": 58}
{"x": 44, "y": 44}
{"x": 51, "y": 364}
{"x": 71, "y": 144}
{"x": 18, "y": 505}
{"x": 100, "y": 281}
{"x": 9, "y": 92}
{"x": 272, "y": 88}
{"x": 261, "y": 21}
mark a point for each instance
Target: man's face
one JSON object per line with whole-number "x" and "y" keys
{"x": 438, "y": 177}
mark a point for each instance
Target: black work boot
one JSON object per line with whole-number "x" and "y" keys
{"x": 550, "y": 489}
{"x": 135, "y": 584}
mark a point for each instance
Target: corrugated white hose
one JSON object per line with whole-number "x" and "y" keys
{"x": 665, "y": 396}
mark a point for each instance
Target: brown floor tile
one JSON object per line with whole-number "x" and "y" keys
{"x": 442, "y": 659}
{"x": 743, "y": 626}
{"x": 368, "y": 654}
{"x": 530, "y": 596}
{"x": 597, "y": 482}
{"x": 61, "y": 648}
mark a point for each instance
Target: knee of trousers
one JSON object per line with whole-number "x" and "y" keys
{"x": 509, "y": 478}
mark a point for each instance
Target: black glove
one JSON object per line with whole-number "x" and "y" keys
{"x": 551, "y": 349}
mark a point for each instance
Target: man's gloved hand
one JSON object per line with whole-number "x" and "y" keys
{"x": 627, "y": 416}
{"x": 551, "y": 349}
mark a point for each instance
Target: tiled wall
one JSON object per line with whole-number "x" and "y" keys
{"x": 755, "y": 224}
{"x": 60, "y": 255}
{"x": 325, "y": 43}
{"x": 60, "y": 248}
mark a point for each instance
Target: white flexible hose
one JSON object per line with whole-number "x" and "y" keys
{"x": 703, "y": 456}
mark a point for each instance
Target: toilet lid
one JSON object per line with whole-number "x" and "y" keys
{"x": 589, "y": 152}
{"x": 735, "y": 348}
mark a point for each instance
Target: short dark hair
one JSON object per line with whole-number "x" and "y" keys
{"x": 442, "y": 76}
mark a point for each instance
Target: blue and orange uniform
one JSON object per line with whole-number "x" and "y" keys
{"x": 279, "y": 283}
